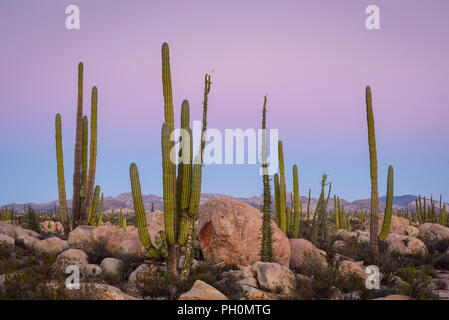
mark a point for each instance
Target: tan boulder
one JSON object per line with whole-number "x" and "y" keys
{"x": 274, "y": 277}
{"x": 72, "y": 256}
{"x": 429, "y": 232}
{"x": 230, "y": 231}
{"x": 7, "y": 240}
{"x": 14, "y": 231}
{"x": 304, "y": 254}
{"x": 106, "y": 241}
{"x": 405, "y": 245}
{"x": 52, "y": 226}
{"x": 347, "y": 267}
{"x": 397, "y": 225}
{"x": 52, "y": 245}
{"x": 203, "y": 291}
{"x": 346, "y": 235}
{"x": 112, "y": 267}
{"x": 142, "y": 272}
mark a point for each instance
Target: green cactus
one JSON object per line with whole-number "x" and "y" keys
{"x": 60, "y": 170}
{"x": 373, "y": 172}
{"x": 337, "y": 214}
{"x": 424, "y": 213}
{"x": 92, "y": 155}
{"x": 78, "y": 150}
{"x": 444, "y": 216}
{"x": 94, "y": 207}
{"x": 308, "y": 207}
{"x": 140, "y": 213}
{"x": 100, "y": 219}
{"x": 181, "y": 193}
{"x": 389, "y": 206}
{"x": 282, "y": 191}
{"x": 277, "y": 197}
{"x": 296, "y": 205}
{"x": 266, "y": 253}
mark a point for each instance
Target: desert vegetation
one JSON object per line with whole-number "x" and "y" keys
{"x": 223, "y": 248}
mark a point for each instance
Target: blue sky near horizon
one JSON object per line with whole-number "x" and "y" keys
{"x": 312, "y": 58}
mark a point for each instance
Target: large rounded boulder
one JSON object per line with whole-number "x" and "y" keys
{"x": 431, "y": 232}
{"x": 398, "y": 225}
{"x": 230, "y": 231}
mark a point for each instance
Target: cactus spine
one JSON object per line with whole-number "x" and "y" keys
{"x": 60, "y": 170}
{"x": 389, "y": 206}
{"x": 373, "y": 172}
{"x": 267, "y": 240}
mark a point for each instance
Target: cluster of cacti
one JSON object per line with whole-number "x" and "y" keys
{"x": 374, "y": 216}
{"x": 121, "y": 220}
{"x": 181, "y": 193}
{"x": 266, "y": 253}
{"x": 320, "y": 236}
{"x": 425, "y": 213}
{"x": 83, "y": 176}
{"x": 7, "y": 214}
{"x": 287, "y": 218}
{"x": 341, "y": 220}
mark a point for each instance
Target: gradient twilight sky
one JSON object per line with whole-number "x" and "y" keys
{"x": 313, "y": 58}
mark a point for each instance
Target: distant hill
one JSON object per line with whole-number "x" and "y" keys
{"x": 400, "y": 200}
{"x": 125, "y": 201}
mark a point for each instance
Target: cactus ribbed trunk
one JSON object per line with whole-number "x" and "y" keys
{"x": 78, "y": 150}
{"x": 389, "y": 206}
{"x": 373, "y": 173}
{"x": 92, "y": 156}
{"x": 266, "y": 254}
{"x": 282, "y": 191}
{"x": 60, "y": 170}
{"x": 139, "y": 210}
{"x": 296, "y": 205}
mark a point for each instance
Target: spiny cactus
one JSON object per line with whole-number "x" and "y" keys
{"x": 277, "y": 197}
{"x": 94, "y": 207}
{"x": 180, "y": 206}
{"x": 60, "y": 170}
{"x": 266, "y": 253}
{"x": 92, "y": 156}
{"x": 389, "y": 206}
{"x": 296, "y": 205}
{"x": 373, "y": 172}
{"x": 282, "y": 191}
{"x": 121, "y": 220}
{"x": 100, "y": 219}
{"x": 443, "y": 216}
{"x": 82, "y": 182}
{"x": 78, "y": 149}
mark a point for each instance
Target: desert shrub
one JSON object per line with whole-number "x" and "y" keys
{"x": 419, "y": 282}
{"x": 229, "y": 287}
{"x": 438, "y": 246}
{"x": 440, "y": 261}
{"x": 167, "y": 286}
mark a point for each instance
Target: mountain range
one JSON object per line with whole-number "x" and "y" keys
{"x": 124, "y": 201}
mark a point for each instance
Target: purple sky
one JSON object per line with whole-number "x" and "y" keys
{"x": 313, "y": 58}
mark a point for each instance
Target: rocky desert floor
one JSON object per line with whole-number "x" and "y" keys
{"x": 413, "y": 261}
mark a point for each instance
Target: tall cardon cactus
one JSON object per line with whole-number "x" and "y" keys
{"x": 181, "y": 193}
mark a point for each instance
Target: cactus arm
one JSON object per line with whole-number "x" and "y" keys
{"x": 389, "y": 206}
{"x": 139, "y": 210}
{"x": 169, "y": 178}
{"x": 373, "y": 172}
{"x": 93, "y": 154}
{"x": 60, "y": 171}
{"x": 282, "y": 191}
